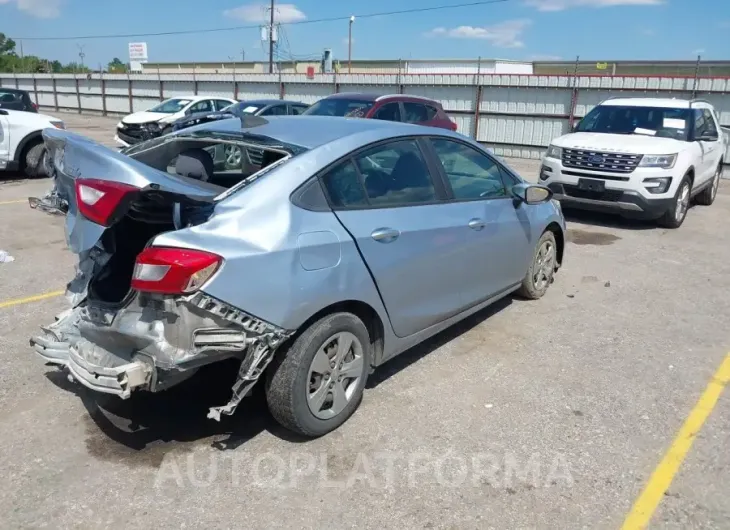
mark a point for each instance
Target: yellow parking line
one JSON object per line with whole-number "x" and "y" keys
{"x": 19, "y": 201}
{"x": 661, "y": 479}
{"x": 29, "y": 299}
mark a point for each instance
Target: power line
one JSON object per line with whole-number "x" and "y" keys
{"x": 256, "y": 26}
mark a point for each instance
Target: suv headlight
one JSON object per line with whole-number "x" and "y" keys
{"x": 553, "y": 151}
{"x": 661, "y": 161}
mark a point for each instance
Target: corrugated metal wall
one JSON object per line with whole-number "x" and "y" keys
{"x": 516, "y": 115}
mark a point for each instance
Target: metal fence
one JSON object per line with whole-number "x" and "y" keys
{"x": 516, "y": 115}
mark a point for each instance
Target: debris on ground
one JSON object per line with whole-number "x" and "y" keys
{"x": 5, "y": 257}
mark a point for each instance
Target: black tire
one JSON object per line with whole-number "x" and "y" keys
{"x": 671, "y": 219}
{"x": 287, "y": 384}
{"x": 531, "y": 288}
{"x": 707, "y": 196}
{"x": 33, "y": 159}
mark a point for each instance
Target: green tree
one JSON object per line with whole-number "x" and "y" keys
{"x": 8, "y": 56}
{"x": 116, "y": 66}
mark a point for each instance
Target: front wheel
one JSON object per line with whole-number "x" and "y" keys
{"x": 674, "y": 217}
{"x": 541, "y": 272}
{"x": 317, "y": 383}
{"x": 34, "y": 160}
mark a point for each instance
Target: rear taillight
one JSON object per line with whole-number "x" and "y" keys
{"x": 453, "y": 126}
{"x": 98, "y": 200}
{"x": 173, "y": 270}
{"x": 35, "y": 107}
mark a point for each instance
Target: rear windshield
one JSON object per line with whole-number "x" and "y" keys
{"x": 244, "y": 107}
{"x": 352, "y": 108}
{"x": 649, "y": 121}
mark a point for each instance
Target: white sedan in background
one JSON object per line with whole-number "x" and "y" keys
{"x": 143, "y": 125}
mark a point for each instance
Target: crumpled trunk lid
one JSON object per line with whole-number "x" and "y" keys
{"x": 72, "y": 157}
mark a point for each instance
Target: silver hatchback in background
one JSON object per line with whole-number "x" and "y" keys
{"x": 351, "y": 242}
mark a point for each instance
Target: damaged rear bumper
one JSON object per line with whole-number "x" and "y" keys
{"x": 154, "y": 344}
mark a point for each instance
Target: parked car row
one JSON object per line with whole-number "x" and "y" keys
{"x": 182, "y": 112}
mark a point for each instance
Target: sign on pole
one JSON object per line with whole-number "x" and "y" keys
{"x": 137, "y": 55}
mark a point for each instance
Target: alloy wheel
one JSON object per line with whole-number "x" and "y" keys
{"x": 233, "y": 156}
{"x": 544, "y": 267}
{"x": 334, "y": 375}
{"x": 680, "y": 209}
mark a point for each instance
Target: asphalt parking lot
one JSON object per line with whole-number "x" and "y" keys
{"x": 548, "y": 414}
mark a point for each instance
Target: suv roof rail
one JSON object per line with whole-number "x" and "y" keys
{"x": 698, "y": 100}
{"x": 412, "y": 96}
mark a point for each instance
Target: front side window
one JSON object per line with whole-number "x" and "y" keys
{"x": 471, "y": 174}
{"x": 275, "y": 110}
{"x": 205, "y": 105}
{"x": 649, "y": 121}
{"x": 221, "y": 104}
{"x": 388, "y": 112}
{"x": 351, "y": 108}
{"x": 171, "y": 106}
{"x": 710, "y": 127}
{"x": 298, "y": 109}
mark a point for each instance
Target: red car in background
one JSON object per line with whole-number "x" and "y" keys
{"x": 394, "y": 107}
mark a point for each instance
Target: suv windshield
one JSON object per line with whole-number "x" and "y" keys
{"x": 651, "y": 121}
{"x": 171, "y": 106}
{"x": 340, "y": 107}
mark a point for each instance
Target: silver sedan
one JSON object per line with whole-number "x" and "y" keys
{"x": 339, "y": 245}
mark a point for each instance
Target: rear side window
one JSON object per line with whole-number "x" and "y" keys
{"x": 344, "y": 187}
{"x": 415, "y": 112}
{"x": 275, "y": 110}
{"x": 10, "y": 97}
{"x": 431, "y": 112}
{"x": 298, "y": 109}
{"x": 221, "y": 104}
{"x": 393, "y": 174}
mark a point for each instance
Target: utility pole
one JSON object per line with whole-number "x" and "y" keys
{"x": 81, "y": 55}
{"x": 349, "y": 47}
{"x": 271, "y": 39}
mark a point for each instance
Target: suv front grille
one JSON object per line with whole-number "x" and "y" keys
{"x": 598, "y": 161}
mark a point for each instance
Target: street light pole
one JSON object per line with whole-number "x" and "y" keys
{"x": 271, "y": 39}
{"x": 349, "y": 47}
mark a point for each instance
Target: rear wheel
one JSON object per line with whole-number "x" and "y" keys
{"x": 33, "y": 159}
{"x": 707, "y": 196}
{"x": 318, "y": 382}
{"x": 542, "y": 269}
{"x": 674, "y": 217}
{"x": 233, "y": 156}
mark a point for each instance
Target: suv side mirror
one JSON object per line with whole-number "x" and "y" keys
{"x": 532, "y": 193}
{"x": 707, "y": 138}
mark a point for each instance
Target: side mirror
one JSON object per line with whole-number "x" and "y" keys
{"x": 4, "y": 112}
{"x": 706, "y": 138}
{"x": 532, "y": 193}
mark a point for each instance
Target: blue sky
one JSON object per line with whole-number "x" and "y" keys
{"x": 513, "y": 29}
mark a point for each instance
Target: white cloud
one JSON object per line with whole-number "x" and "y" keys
{"x": 560, "y": 5}
{"x": 540, "y": 57}
{"x": 260, "y": 13}
{"x": 37, "y": 8}
{"x": 503, "y": 35}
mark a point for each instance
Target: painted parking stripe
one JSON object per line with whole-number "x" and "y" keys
{"x": 19, "y": 201}
{"x": 661, "y": 479}
{"x": 29, "y": 299}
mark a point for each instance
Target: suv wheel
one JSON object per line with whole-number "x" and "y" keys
{"x": 33, "y": 159}
{"x": 542, "y": 269}
{"x": 707, "y": 196}
{"x": 318, "y": 382}
{"x": 674, "y": 217}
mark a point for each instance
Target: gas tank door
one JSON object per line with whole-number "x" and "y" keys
{"x": 319, "y": 250}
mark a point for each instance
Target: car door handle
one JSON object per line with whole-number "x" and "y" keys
{"x": 385, "y": 235}
{"x": 476, "y": 224}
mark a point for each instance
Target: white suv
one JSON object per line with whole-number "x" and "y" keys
{"x": 640, "y": 157}
{"x": 21, "y": 141}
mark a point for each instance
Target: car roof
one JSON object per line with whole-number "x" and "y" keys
{"x": 365, "y": 96}
{"x": 270, "y": 101}
{"x": 670, "y": 103}
{"x": 310, "y": 132}
{"x": 16, "y": 90}
{"x": 198, "y": 98}
{"x": 368, "y": 96}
